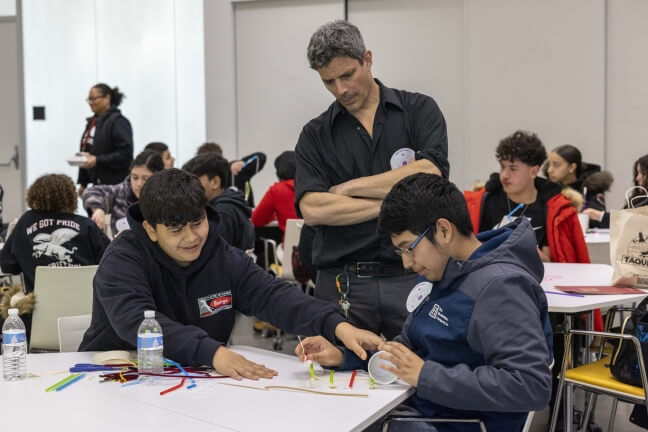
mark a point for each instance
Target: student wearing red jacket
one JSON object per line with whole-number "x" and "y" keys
{"x": 278, "y": 203}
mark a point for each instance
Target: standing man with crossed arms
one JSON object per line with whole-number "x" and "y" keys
{"x": 348, "y": 159}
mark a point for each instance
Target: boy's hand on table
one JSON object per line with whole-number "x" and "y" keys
{"x": 229, "y": 363}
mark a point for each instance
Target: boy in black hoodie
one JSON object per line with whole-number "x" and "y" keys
{"x": 173, "y": 261}
{"x": 235, "y": 225}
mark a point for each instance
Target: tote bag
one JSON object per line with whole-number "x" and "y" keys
{"x": 629, "y": 244}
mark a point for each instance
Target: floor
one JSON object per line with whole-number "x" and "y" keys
{"x": 243, "y": 334}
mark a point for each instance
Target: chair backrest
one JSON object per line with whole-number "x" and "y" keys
{"x": 108, "y": 227}
{"x": 60, "y": 292}
{"x": 11, "y": 226}
{"x": 291, "y": 238}
{"x": 71, "y": 330}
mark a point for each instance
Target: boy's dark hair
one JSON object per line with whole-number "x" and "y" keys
{"x": 210, "y": 147}
{"x": 209, "y": 164}
{"x": 522, "y": 145}
{"x": 172, "y": 197}
{"x": 418, "y": 201}
{"x": 159, "y": 147}
{"x": 150, "y": 159}
{"x": 286, "y": 165}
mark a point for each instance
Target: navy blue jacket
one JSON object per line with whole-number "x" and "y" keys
{"x": 485, "y": 335}
{"x": 195, "y": 305}
{"x": 234, "y": 218}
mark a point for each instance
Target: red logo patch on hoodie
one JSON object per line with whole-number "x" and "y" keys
{"x": 214, "y": 303}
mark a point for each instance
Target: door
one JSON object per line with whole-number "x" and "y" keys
{"x": 11, "y": 121}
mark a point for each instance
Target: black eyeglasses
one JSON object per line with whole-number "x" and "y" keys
{"x": 410, "y": 250}
{"x": 92, "y": 99}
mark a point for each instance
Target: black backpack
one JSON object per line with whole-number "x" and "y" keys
{"x": 624, "y": 365}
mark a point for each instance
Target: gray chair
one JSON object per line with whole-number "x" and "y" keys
{"x": 60, "y": 292}
{"x": 71, "y": 330}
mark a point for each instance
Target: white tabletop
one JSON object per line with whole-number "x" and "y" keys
{"x": 598, "y": 235}
{"x": 91, "y": 405}
{"x": 581, "y": 274}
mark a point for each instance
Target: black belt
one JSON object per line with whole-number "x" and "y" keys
{"x": 376, "y": 269}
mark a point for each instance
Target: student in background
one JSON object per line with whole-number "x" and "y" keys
{"x": 241, "y": 171}
{"x": 50, "y": 234}
{"x": 478, "y": 344}
{"x": 163, "y": 149}
{"x": 638, "y": 198}
{"x": 517, "y": 191}
{"x": 114, "y": 199}
{"x": 107, "y": 139}
{"x": 229, "y": 203}
{"x": 278, "y": 203}
{"x": 565, "y": 166}
{"x": 174, "y": 261}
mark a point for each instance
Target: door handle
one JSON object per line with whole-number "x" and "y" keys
{"x": 14, "y": 159}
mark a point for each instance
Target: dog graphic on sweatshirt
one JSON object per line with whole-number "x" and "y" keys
{"x": 52, "y": 244}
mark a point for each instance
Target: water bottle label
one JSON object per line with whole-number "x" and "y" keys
{"x": 149, "y": 341}
{"x": 13, "y": 337}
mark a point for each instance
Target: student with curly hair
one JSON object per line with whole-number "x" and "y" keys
{"x": 50, "y": 234}
{"x": 517, "y": 191}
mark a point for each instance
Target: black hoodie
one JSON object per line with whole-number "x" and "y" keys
{"x": 496, "y": 205}
{"x": 195, "y": 305}
{"x": 234, "y": 213}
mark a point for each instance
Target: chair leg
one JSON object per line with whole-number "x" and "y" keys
{"x": 615, "y": 402}
{"x": 556, "y": 408}
{"x": 590, "y": 406}
{"x": 567, "y": 410}
{"x": 385, "y": 425}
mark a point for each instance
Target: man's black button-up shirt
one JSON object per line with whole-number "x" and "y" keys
{"x": 335, "y": 147}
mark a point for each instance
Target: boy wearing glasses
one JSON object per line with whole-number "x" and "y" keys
{"x": 174, "y": 261}
{"x": 477, "y": 343}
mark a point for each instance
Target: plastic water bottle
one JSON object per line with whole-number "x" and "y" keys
{"x": 14, "y": 348}
{"x": 149, "y": 347}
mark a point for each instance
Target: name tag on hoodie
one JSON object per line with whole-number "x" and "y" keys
{"x": 214, "y": 303}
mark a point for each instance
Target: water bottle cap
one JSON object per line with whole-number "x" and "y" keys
{"x": 13, "y": 311}
{"x": 149, "y": 314}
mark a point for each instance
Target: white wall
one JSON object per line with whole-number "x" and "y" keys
{"x": 151, "y": 49}
{"x": 7, "y": 8}
{"x": 220, "y": 75}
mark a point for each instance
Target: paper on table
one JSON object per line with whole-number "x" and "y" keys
{"x": 599, "y": 289}
{"x": 112, "y": 357}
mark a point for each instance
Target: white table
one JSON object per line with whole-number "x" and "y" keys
{"x": 90, "y": 405}
{"x": 581, "y": 274}
{"x": 598, "y": 245}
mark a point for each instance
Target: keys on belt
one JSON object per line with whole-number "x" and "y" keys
{"x": 376, "y": 269}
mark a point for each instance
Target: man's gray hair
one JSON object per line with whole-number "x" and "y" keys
{"x": 335, "y": 39}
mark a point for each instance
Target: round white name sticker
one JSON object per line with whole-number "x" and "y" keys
{"x": 401, "y": 157}
{"x": 417, "y": 295}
